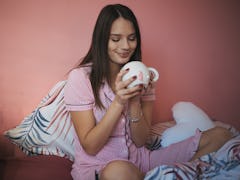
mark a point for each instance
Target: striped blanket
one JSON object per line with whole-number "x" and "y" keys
{"x": 221, "y": 165}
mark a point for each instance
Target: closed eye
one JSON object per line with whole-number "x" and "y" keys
{"x": 115, "y": 39}
{"x": 132, "y": 37}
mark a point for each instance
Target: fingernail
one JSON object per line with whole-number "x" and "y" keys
{"x": 134, "y": 77}
{"x": 127, "y": 69}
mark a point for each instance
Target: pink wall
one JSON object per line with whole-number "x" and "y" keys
{"x": 193, "y": 44}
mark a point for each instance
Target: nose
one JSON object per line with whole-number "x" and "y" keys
{"x": 125, "y": 44}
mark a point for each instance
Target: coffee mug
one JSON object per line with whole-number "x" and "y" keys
{"x": 141, "y": 71}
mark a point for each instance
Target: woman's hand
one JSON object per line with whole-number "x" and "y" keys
{"x": 150, "y": 86}
{"x": 123, "y": 94}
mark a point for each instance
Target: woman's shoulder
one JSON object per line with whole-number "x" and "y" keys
{"x": 83, "y": 70}
{"x": 79, "y": 77}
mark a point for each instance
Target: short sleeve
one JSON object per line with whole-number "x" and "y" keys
{"x": 149, "y": 95}
{"x": 78, "y": 95}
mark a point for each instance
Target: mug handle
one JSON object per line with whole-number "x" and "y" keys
{"x": 155, "y": 73}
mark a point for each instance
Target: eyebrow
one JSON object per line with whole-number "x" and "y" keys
{"x": 133, "y": 34}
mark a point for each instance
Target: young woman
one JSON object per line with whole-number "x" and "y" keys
{"x": 112, "y": 121}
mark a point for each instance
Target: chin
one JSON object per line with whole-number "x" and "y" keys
{"x": 122, "y": 61}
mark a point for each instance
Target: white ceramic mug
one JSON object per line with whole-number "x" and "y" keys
{"x": 141, "y": 71}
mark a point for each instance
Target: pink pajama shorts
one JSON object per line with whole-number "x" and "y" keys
{"x": 179, "y": 152}
{"x": 182, "y": 151}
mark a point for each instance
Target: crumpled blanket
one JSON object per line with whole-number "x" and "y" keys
{"x": 221, "y": 165}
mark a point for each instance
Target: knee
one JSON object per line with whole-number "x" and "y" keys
{"x": 118, "y": 170}
{"x": 219, "y": 135}
{"x": 222, "y": 133}
{"x": 215, "y": 137}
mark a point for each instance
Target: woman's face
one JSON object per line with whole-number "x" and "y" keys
{"x": 122, "y": 41}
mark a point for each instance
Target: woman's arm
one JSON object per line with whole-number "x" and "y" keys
{"x": 93, "y": 137}
{"x": 140, "y": 129}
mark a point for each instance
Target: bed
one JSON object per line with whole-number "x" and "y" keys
{"x": 224, "y": 164}
{"x": 46, "y": 137}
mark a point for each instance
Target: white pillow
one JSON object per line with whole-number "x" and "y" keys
{"x": 188, "y": 119}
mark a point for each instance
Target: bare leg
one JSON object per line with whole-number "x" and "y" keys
{"x": 119, "y": 170}
{"x": 211, "y": 140}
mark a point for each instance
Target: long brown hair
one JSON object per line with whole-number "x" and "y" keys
{"x": 98, "y": 52}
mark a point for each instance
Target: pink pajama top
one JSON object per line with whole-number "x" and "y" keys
{"x": 79, "y": 96}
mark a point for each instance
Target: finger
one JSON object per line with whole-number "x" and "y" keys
{"x": 126, "y": 83}
{"x": 135, "y": 88}
{"x": 152, "y": 76}
{"x": 150, "y": 86}
{"x": 121, "y": 74}
{"x": 131, "y": 92}
{"x": 127, "y": 92}
{"x": 131, "y": 95}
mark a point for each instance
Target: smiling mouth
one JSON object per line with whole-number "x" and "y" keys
{"x": 124, "y": 55}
